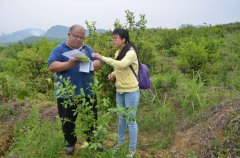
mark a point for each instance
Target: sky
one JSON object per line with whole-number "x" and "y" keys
{"x": 17, "y": 15}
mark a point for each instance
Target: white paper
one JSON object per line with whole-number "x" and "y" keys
{"x": 86, "y": 66}
{"x": 91, "y": 66}
{"x": 75, "y": 54}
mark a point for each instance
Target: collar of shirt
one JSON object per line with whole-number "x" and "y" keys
{"x": 83, "y": 45}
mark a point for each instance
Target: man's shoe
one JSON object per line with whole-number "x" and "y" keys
{"x": 70, "y": 150}
{"x": 100, "y": 149}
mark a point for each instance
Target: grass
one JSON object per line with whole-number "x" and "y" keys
{"x": 6, "y": 111}
{"x": 157, "y": 119}
{"x": 34, "y": 138}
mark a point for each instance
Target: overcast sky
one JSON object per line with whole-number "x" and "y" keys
{"x": 21, "y": 14}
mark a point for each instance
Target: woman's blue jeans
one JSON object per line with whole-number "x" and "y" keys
{"x": 129, "y": 101}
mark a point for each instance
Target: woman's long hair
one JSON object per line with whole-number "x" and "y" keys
{"x": 123, "y": 33}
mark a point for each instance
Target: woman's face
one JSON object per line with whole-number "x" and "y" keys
{"x": 118, "y": 42}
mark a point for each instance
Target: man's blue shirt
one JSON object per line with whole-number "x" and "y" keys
{"x": 79, "y": 79}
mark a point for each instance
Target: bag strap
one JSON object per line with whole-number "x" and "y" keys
{"x": 133, "y": 71}
{"x": 138, "y": 67}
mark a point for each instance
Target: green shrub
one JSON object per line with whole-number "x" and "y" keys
{"x": 15, "y": 88}
{"x": 192, "y": 57}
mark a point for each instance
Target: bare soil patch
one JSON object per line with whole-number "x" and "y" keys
{"x": 196, "y": 139}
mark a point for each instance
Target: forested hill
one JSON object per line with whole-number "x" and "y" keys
{"x": 57, "y": 32}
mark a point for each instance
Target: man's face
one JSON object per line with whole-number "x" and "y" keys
{"x": 76, "y": 38}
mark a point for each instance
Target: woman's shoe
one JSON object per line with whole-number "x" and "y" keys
{"x": 117, "y": 147}
{"x": 132, "y": 153}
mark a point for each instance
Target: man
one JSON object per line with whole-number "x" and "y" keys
{"x": 70, "y": 69}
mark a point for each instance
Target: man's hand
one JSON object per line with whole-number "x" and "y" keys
{"x": 58, "y": 66}
{"x": 96, "y": 64}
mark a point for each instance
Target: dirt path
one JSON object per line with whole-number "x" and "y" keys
{"x": 9, "y": 116}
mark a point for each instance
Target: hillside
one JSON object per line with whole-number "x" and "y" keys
{"x": 19, "y": 35}
{"x": 57, "y": 31}
{"x": 194, "y": 138}
{"x": 192, "y": 109}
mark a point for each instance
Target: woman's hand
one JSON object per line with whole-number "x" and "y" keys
{"x": 111, "y": 77}
{"x": 97, "y": 55}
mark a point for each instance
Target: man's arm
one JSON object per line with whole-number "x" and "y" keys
{"x": 62, "y": 66}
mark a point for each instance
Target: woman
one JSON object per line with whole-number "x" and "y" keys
{"x": 127, "y": 95}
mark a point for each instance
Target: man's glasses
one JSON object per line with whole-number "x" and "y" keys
{"x": 77, "y": 37}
